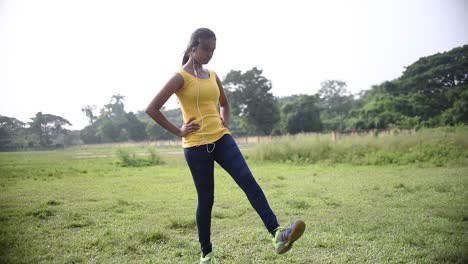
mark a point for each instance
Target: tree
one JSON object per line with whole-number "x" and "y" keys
{"x": 89, "y": 134}
{"x": 11, "y": 129}
{"x": 458, "y": 113}
{"x": 110, "y": 125}
{"x": 115, "y": 109}
{"x": 301, "y": 114}
{"x": 136, "y": 128}
{"x": 251, "y": 100}
{"x": 47, "y": 127}
{"x": 88, "y": 111}
{"x": 430, "y": 92}
{"x": 437, "y": 73}
{"x": 155, "y": 131}
{"x": 117, "y": 105}
{"x": 335, "y": 104}
{"x": 107, "y": 131}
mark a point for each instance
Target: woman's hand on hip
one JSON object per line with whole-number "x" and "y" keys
{"x": 189, "y": 127}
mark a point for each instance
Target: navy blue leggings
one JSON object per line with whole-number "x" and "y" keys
{"x": 227, "y": 155}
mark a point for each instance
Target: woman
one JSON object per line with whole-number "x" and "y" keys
{"x": 206, "y": 139}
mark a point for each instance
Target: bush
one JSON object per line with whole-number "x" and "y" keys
{"x": 131, "y": 160}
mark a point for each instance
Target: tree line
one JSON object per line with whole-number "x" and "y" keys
{"x": 431, "y": 92}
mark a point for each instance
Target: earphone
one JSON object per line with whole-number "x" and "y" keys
{"x": 199, "y": 111}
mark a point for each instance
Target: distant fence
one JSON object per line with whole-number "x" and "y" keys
{"x": 247, "y": 140}
{"x": 334, "y": 136}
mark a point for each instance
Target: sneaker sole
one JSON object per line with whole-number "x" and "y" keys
{"x": 296, "y": 232}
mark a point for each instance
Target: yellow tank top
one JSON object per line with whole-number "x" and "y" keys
{"x": 205, "y": 112}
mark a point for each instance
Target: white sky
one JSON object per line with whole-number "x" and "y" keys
{"x": 58, "y": 56}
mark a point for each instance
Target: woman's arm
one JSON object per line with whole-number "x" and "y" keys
{"x": 223, "y": 104}
{"x": 153, "y": 109}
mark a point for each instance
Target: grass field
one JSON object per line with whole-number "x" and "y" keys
{"x": 78, "y": 206}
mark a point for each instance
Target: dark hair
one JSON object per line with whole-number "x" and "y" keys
{"x": 197, "y": 35}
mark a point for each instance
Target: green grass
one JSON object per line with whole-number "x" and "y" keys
{"x": 436, "y": 146}
{"x": 78, "y": 206}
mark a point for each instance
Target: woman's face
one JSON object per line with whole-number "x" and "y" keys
{"x": 204, "y": 51}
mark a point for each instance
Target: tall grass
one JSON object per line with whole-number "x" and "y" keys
{"x": 438, "y": 147}
{"x": 132, "y": 160}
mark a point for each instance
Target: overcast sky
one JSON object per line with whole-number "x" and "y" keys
{"x": 59, "y": 56}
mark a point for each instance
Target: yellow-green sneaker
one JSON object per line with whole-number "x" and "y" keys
{"x": 285, "y": 236}
{"x": 209, "y": 259}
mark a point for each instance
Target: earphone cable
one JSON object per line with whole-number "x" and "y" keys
{"x": 199, "y": 111}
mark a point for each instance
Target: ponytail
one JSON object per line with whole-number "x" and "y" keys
{"x": 197, "y": 35}
{"x": 185, "y": 58}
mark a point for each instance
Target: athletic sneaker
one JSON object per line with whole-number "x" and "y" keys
{"x": 285, "y": 236}
{"x": 208, "y": 259}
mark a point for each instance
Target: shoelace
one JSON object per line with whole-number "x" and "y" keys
{"x": 282, "y": 236}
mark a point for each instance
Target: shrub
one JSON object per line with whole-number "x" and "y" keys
{"x": 131, "y": 160}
